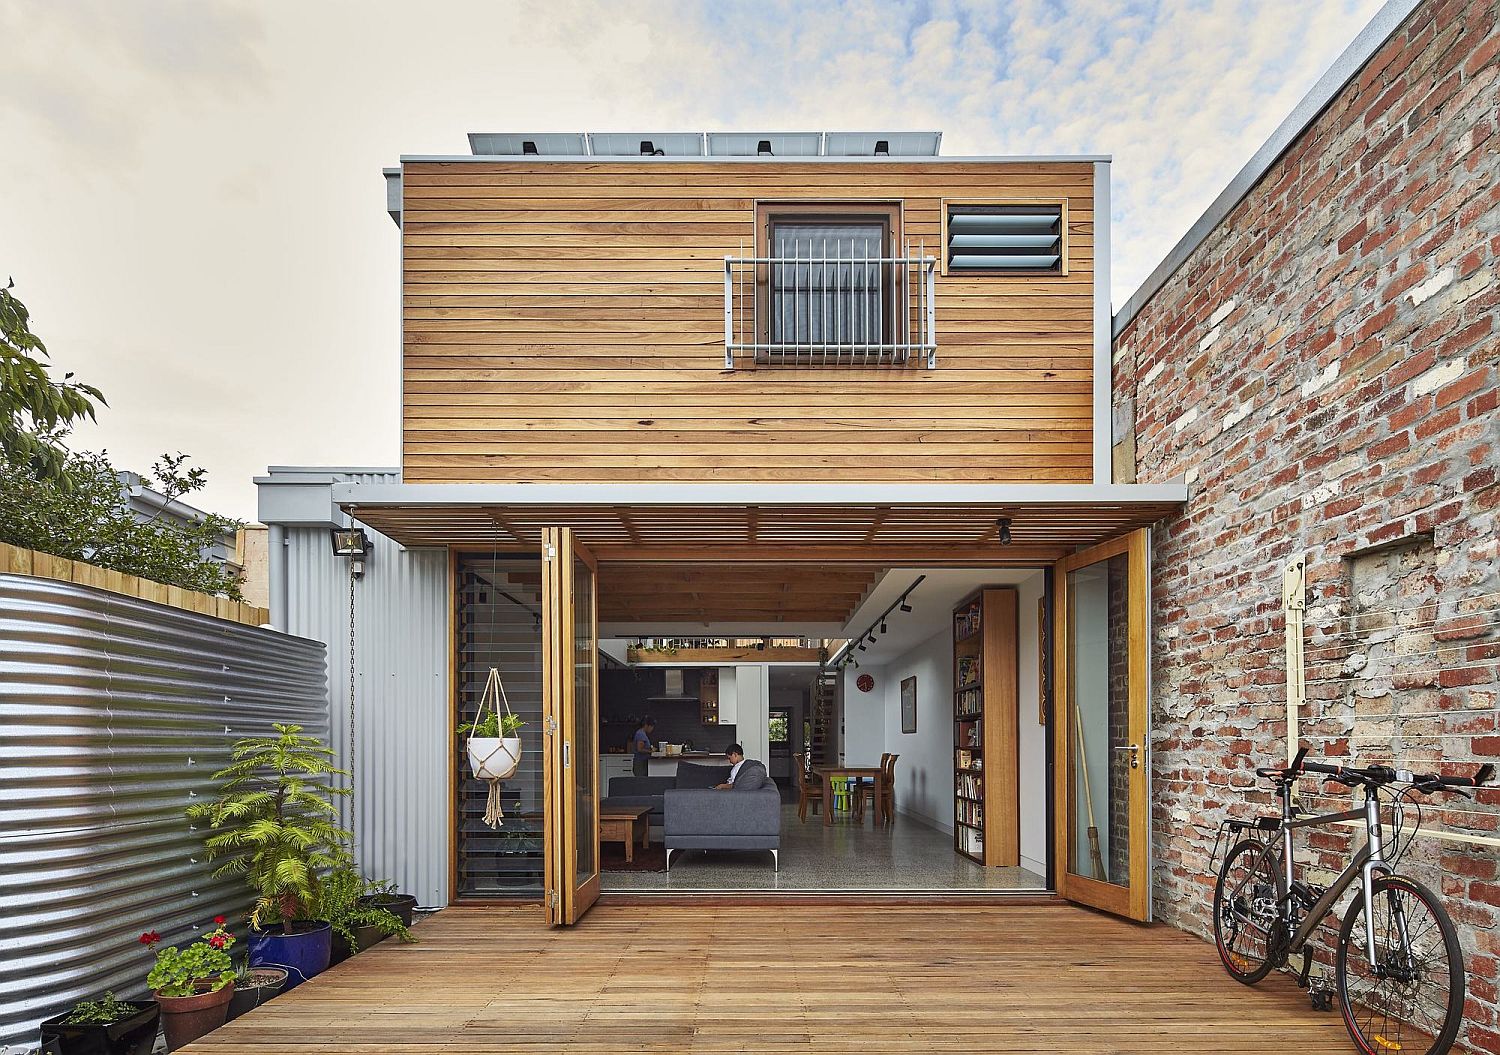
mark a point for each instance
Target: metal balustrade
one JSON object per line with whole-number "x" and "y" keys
{"x": 830, "y": 311}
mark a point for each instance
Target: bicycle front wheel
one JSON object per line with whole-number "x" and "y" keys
{"x": 1247, "y": 920}
{"x": 1411, "y": 999}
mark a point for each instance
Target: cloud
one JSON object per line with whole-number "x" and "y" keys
{"x": 194, "y": 210}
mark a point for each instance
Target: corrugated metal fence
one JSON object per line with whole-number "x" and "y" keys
{"x": 114, "y": 714}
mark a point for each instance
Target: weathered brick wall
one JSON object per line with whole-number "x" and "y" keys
{"x": 1323, "y": 371}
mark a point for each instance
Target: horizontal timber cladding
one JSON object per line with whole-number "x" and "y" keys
{"x": 565, "y": 321}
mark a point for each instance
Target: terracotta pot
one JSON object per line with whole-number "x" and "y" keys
{"x": 186, "y": 1018}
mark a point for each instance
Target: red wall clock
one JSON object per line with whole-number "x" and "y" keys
{"x": 864, "y": 683}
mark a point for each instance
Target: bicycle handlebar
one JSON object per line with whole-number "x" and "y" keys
{"x": 1351, "y": 776}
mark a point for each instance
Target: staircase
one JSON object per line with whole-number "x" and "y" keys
{"x": 824, "y": 740}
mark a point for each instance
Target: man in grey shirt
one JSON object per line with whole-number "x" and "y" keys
{"x": 744, "y": 775}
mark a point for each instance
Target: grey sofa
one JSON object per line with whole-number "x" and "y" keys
{"x": 723, "y": 820}
{"x": 648, "y": 791}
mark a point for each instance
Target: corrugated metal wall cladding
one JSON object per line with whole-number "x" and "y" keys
{"x": 114, "y": 715}
{"x": 401, "y": 650}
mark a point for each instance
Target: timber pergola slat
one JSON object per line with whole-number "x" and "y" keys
{"x": 789, "y": 977}
{"x": 937, "y": 523}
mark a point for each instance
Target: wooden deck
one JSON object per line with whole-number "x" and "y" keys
{"x": 840, "y": 978}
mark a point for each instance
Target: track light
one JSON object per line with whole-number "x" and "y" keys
{"x": 861, "y": 646}
{"x": 905, "y": 607}
{"x": 882, "y": 626}
{"x": 1004, "y": 523}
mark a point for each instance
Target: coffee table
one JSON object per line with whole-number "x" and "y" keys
{"x": 622, "y": 823}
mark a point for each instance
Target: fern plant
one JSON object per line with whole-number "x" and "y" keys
{"x": 338, "y": 903}
{"x": 275, "y": 822}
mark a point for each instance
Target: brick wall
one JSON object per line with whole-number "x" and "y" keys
{"x": 1323, "y": 371}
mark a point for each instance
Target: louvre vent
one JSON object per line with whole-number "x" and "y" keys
{"x": 1005, "y": 238}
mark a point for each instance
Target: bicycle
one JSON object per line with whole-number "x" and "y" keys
{"x": 1400, "y": 981}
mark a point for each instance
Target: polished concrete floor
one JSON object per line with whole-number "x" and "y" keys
{"x": 908, "y": 855}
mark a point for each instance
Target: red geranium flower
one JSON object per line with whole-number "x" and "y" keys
{"x": 216, "y": 940}
{"x": 219, "y": 920}
{"x": 151, "y": 937}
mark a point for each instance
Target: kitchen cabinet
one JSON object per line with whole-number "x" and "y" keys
{"x": 728, "y": 698}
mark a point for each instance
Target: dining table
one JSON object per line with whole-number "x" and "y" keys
{"x": 830, "y": 772}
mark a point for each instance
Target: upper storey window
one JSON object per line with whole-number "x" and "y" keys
{"x": 829, "y": 284}
{"x": 1005, "y": 238}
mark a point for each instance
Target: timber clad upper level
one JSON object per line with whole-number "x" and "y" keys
{"x": 566, "y": 320}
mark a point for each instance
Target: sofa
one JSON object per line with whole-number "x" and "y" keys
{"x": 648, "y": 791}
{"x": 697, "y": 819}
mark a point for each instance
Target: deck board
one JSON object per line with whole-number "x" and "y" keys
{"x": 721, "y": 978}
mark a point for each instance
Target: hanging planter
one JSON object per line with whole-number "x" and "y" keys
{"x": 494, "y": 743}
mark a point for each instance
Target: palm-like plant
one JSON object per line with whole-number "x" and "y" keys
{"x": 275, "y": 822}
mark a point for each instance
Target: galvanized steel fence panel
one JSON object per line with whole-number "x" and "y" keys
{"x": 114, "y": 715}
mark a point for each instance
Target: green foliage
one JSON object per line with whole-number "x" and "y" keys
{"x": 179, "y": 972}
{"x": 34, "y": 408}
{"x": 89, "y": 518}
{"x": 493, "y": 725}
{"x": 339, "y": 892}
{"x": 275, "y": 822}
{"x": 100, "y": 1012}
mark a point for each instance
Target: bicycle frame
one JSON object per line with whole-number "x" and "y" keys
{"x": 1368, "y": 861}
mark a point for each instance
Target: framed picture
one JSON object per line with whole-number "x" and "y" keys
{"x": 909, "y": 704}
{"x": 1041, "y": 661}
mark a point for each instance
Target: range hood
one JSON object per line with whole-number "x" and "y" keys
{"x": 673, "y": 691}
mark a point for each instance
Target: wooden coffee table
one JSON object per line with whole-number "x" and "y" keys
{"x": 622, "y": 823}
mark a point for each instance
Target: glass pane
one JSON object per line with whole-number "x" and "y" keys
{"x": 833, "y": 295}
{"x": 499, "y": 624}
{"x": 1099, "y": 713}
{"x": 585, "y": 760}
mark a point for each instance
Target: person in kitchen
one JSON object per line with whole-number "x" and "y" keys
{"x": 744, "y": 775}
{"x": 641, "y": 747}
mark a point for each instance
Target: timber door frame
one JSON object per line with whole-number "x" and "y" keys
{"x": 1133, "y": 898}
{"x": 565, "y": 901}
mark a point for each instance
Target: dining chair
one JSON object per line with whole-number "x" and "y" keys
{"x": 864, "y": 787}
{"x": 888, "y": 788}
{"x": 809, "y": 793}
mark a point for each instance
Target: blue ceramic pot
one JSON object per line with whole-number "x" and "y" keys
{"x": 302, "y": 954}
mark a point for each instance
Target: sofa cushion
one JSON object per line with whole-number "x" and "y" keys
{"x": 693, "y": 775}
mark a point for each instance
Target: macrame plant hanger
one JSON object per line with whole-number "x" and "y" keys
{"x": 499, "y": 761}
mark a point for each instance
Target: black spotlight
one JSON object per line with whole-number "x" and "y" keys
{"x": 882, "y": 626}
{"x": 905, "y": 607}
{"x": 1004, "y": 523}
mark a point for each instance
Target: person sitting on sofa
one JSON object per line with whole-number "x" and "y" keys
{"x": 744, "y": 775}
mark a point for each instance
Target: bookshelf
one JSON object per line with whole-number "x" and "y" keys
{"x": 986, "y": 728}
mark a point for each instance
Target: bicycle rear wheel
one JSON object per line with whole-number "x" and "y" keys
{"x": 1248, "y": 930}
{"x": 1412, "y": 999}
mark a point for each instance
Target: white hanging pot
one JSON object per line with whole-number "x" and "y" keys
{"x": 494, "y": 757}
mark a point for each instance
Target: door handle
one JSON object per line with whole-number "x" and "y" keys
{"x": 567, "y": 755}
{"x": 1135, "y": 754}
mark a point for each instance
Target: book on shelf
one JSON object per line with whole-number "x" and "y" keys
{"x": 966, "y": 623}
{"x": 968, "y": 670}
{"x": 971, "y": 841}
{"x": 970, "y": 702}
{"x": 971, "y": 785}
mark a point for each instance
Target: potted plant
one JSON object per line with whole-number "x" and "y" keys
{"x": 254, "y": 986}
{"x": 110, "y": 1026}
{"x": 355, "y": 926}
{"x": 274, "y": 823}
{"x": 384, "y": 895}
{"x": 193, "y": 984}
{"x": 494, "y": 738}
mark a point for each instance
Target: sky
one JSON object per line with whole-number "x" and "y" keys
{"x": 191, "y": 202}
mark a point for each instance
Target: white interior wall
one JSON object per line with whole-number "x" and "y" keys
{"x": 1033, "y": 732}
{"x": 924, "y": 772}
{"x": 753, "y": 702}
